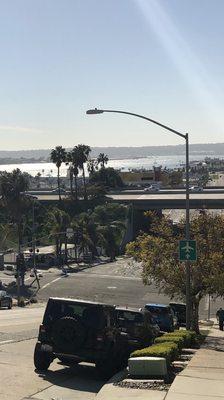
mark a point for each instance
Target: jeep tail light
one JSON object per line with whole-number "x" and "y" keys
{"x": 42, "y": 329}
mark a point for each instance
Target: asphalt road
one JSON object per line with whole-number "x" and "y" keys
{"x": 107, "y": 283}
{"x": 112, "y": 283}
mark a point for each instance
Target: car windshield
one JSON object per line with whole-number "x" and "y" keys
{"x": 158, "y": 310}
{"x": 130, "y": 316}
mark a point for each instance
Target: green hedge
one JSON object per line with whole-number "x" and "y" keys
{"x": 169, "y": 351}
{"x": 188, "y": 336}
{"x": 178, "y": 340}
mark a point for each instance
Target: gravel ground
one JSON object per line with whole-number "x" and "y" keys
{"x": 152, "y": 385}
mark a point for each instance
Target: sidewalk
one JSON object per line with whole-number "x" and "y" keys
{"x": 202, "y": 379}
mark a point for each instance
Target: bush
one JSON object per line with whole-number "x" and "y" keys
{"x": 166, "y": 350}
{"x": 179, "y": 341}
{"x": 188, "y": 336}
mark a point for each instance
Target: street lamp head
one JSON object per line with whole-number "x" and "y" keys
{"x": 94, "y": 111}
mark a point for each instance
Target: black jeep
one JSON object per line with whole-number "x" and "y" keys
{"x": 139, "y": 326}
{"x": 77, "y": 330}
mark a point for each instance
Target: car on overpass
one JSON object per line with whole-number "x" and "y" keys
{"x": 151, "y": 188}
{"x": 196, "y": 189}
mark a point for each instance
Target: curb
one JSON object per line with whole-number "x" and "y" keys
{"x": 103, "y": 393}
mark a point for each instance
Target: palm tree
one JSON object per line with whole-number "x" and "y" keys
{"x": 13, "y": 186}
{"x": 83, "y": 152}
{"x": 70, "y": 169}
{"x": 92, "y": 165}
{"x": 75, "y": 154}
{"x": 102, "y": 159}
{"x": 58, "y": 156}
{"x": 57, "y": 223}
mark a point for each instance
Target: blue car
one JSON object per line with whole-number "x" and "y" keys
{"x": 162, "y": 315}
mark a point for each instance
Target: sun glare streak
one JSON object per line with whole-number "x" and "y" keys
{"x": 183, "y": 58}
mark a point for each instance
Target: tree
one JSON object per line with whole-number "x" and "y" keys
{"x": 102, "y": 159}
{"x": 92, "y": 165}
{"x": 83, "y": 152}
{"x": 13, "y": 186}
{"x": 87, "y": 229}
{"x": 58, "y": 156}
{"x": 158, "y": 252}
{"x": 175, "y": 178}
{"x": 70, "y": 169}
{"x": 75, "y": 162}
{"x": 57, "y": 223}
{"x": 107, "y": 177}
{"x": 110, "y": 238}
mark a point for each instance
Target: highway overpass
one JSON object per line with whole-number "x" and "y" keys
{"x": 171, "y": 200}
{"x": 164, "y": 199}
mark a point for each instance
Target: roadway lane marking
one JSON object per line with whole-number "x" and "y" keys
{"x": 50, "y": 283}
{"x": 111, "y": 287}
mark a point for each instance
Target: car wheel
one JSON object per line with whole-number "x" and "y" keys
{"x": 42, "y": 359}
{"x": 10, "y": 305}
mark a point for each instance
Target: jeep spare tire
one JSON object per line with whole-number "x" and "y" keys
{"x": 68, "y": 334}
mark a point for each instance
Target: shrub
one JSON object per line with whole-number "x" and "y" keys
{"x": 188, "y": 336}
{"x": 166, "y": 350}
{"x": 179, "y": 341}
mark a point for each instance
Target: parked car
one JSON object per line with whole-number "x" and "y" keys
{"x": 162, "y": 315}
{"x": 179, "y": 310}
{"x": 76, "y": 330}
{"x": 138, "y": 324}
{"x": 5, "y": 300}
{"x": 196, "y": 189}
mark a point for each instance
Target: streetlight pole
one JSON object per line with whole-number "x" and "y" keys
{"x": 187, "y": 227}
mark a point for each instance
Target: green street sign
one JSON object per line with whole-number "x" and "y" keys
{"x": 187, "y": 250}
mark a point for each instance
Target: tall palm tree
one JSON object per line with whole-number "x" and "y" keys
{"x": 57, "y": 222}
{"x": 70, "y": 169}
{"x": 12, "y": 187}
{"x": 83, "y": 155}
{"x": 102, "y": 159}
{"x": 58, "y": 156}
{"x": 92, "y": 165}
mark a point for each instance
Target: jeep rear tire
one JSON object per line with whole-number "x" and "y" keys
{"x": 68, "y": 334}
{"x": 42, "y": 359}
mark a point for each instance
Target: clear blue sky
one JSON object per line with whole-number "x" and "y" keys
{"x": 160, "y": 58}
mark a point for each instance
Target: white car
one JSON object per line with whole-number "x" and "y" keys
{"x": 151, "y": 189}
{"x": 196, "y": 189}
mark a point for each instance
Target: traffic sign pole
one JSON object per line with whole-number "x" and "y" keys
{"x": 187, "y": 263}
